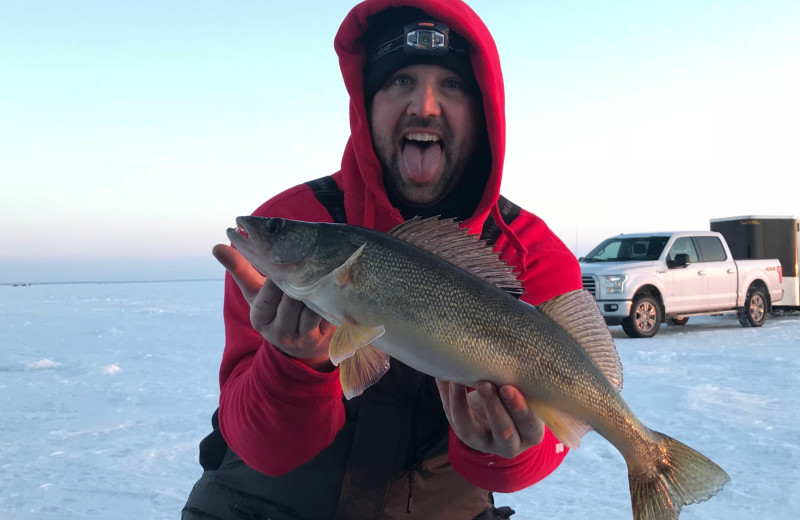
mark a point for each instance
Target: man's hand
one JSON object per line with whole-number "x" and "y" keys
{"x": 283, "y": 321}
{"x": 491, "y": 419}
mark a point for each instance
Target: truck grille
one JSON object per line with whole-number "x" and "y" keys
{"x": 589, "y": 284}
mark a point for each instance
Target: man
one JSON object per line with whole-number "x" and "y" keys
{"x": 428, "y": 136}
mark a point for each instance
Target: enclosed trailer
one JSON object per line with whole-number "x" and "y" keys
{"x": 766, "y": 237}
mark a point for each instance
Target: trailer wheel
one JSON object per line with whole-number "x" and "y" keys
{"x": 644, "y": 319}
{"x": 679, "y": 321}
{"x": 754, "y": 312}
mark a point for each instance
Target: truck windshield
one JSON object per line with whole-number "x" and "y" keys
{"x": 627, "y": 249}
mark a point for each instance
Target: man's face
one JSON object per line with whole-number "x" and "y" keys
{"x": 425, "y": 127}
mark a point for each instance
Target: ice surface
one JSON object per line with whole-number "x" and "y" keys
{"x": 106, "y": 390}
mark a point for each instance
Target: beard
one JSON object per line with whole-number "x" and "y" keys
{"x": 455, "y": 157}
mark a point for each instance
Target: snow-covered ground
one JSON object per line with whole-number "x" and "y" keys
{"x": 106, "y": 390}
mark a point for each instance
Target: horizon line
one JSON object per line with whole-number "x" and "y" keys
{"x": 79, "y": 282}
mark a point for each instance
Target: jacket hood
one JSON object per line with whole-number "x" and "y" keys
{"x": 366, "y": 201}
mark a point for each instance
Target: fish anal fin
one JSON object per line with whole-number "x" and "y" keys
{"x": 578, "y": 314}
{"x": 567, "y": 429}
{"x": 362, "y": 370}
{"x": 345, "y": 273}
{"x": 349, "y": 338}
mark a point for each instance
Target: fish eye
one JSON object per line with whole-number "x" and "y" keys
{"x": 275, "y": 224}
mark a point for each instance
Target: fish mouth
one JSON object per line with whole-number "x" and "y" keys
{"x": 240, "y": 229}
{"x": 239, "y": 236}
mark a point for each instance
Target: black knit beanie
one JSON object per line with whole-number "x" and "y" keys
{"x": 386, "y": 54}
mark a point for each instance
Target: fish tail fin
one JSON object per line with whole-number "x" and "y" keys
{"x": 685, "y": 476}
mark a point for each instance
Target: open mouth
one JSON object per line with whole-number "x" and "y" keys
{"x": 241, "y": 227}
{"x": 242, "y": 231}
{"x": 422, "y": 139}
{"x": 422, "y": 155}
{"x": 238, "y": 235}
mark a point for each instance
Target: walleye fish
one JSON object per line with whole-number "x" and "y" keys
{"x": 438, "y": 299}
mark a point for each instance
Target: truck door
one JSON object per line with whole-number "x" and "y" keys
{"x": 688, "y": 286}
{"x": 720, "y": 272}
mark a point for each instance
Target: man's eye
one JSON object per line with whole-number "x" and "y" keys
{"x": 454, "y": 84}
{"x": 402, "y": 81}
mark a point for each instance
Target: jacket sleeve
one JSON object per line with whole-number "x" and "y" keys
{"x": 275, "y": 412}
{"x": 550, "y": 269}
{"x": 495, "y": 473}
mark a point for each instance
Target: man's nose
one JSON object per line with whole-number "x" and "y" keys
{"x": 424, "y": 101}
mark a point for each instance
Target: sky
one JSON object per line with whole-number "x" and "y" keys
{"x": 133, "y": 133}
{"x": 107, "y": 389}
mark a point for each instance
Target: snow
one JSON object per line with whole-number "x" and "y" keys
{"x": 107, "y": 389}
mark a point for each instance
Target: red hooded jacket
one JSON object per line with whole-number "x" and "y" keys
{"x": 276, "y": 413}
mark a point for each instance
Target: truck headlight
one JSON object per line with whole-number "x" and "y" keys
{"x": 615, "y": 283}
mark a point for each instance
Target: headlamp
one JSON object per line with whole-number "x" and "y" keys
{"x": 426, "y": 37}
{"x": 401, "y": 37}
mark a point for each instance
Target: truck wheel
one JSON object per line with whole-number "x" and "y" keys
{"x": 754, "y": 312}
{"x": 679, "y": 321}
{"x": 644, "y": 319}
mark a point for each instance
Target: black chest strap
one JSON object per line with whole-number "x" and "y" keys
{"x": 508, "y": 210}
{"x": 328, "y": 193}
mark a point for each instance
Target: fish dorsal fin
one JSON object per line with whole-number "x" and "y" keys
{"x": 577, "y": 313}
{"x": 445, "y": 239}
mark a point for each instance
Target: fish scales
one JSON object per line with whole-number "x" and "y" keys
{"x": 495, "y": 333}
{"x": 392, "y": 295}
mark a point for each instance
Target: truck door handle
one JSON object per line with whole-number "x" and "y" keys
{"x": 701, "y": 272}
{"x": 731, "y": 270}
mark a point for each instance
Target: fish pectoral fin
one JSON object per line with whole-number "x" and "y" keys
{"x": 567, "y": 429}
{"x": 345, "y": 273}
{"x": 362, "y": 370}
{"x": 349, "y": 338}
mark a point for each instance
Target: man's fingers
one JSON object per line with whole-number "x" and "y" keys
{"x": 529, "y": 427}
{"x": 309, "y": 321}
{"x": 444, "y": 393}
{"x": 245, "y": 275}
{"x": 287, "y": 319}
{"x": 264, "y": 307}
{"x": 497, "y": 416}
{"x": 462, "y": 417}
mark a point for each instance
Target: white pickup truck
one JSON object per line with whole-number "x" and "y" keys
{"x": 640, "y": 280}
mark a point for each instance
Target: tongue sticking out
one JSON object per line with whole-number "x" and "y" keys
{"x": 422, "y": 162}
